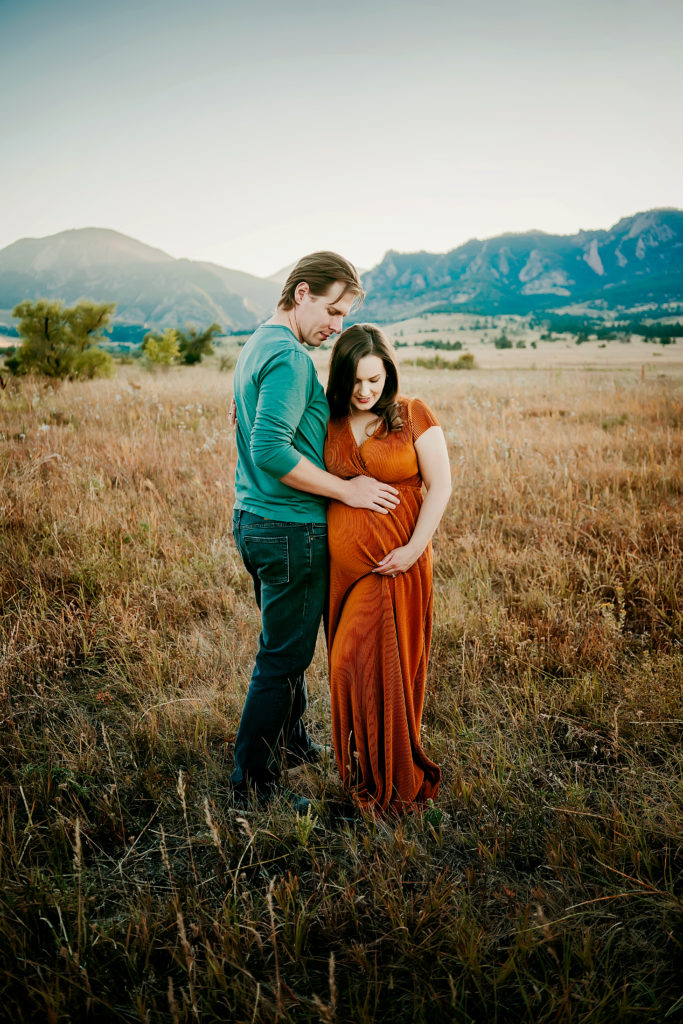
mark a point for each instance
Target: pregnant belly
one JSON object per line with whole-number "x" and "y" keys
{"x": 359, "y": 538}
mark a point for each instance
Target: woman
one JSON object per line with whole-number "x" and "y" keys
{"x": 380, "y": 612}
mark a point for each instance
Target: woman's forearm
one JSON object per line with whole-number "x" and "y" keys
{"x": 430, "y": 516}
{"x": 435, "y": 469}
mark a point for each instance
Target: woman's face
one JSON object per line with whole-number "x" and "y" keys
{"x": 367, "y": 389}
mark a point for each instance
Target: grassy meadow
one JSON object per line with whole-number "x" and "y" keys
{"x": 552, "y": 890}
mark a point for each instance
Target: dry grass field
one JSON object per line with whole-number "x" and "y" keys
{"x": 551, "y": 891}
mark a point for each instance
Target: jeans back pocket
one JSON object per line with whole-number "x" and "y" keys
{"x": 269, "y": 556}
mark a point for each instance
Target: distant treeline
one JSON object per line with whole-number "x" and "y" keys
{"x": 129, "y": 337}
{"x": 437, "y": 343}
{"x": 566, "y": 324}
{"x": 126, "y": 336}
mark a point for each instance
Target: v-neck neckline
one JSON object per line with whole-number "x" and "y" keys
{"x": 369, "y": 437}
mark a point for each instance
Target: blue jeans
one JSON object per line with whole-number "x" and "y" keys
{"x": 288, "y": 564}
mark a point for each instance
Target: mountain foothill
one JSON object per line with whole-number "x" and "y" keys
{"x": 637, "y": 263}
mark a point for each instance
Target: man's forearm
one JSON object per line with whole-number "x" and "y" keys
{"x": 310, "y": 478}
{"x": 359, "y": 492}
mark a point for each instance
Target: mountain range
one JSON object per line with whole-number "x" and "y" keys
{"x": 637, "y": 262}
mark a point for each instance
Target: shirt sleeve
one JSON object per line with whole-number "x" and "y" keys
{"x": 282, "y": 399}
{"x": 421, "y": 417}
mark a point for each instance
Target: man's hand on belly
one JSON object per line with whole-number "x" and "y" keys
{"x": 366, "y": 492}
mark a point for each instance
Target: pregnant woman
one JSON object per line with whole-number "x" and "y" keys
{"x": 380, "y": 612}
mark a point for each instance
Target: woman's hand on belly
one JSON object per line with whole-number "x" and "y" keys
{"x": 399, "y": 560}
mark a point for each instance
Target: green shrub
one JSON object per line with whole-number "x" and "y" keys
{"x": 161, "y": 349}
{"x": 194, "y": 344}
{"x": 93, "y": 362}
{"x": 437, "y": 362}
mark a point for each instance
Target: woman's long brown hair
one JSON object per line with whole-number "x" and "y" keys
{"x": 351, "y": 346}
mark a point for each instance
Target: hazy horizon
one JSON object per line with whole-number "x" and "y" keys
{"x": 248, "y": 136}
{"x": 278, "y": 270}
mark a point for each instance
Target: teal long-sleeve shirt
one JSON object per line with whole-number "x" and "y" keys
{"x": 282, "y": 414}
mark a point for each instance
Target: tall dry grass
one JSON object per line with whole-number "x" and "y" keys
{"x": 132, "y": 891}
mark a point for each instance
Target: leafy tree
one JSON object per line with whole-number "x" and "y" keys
{"x": 161, "y": 349}
{"x": 176, "y": 346}
{"x": 62, "y": 342}
{"x": 195, "y": 344}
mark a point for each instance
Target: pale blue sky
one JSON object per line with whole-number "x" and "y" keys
{"x": 249, "y": 134}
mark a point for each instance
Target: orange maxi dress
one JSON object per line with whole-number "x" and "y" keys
{"x": 379, "y": 627}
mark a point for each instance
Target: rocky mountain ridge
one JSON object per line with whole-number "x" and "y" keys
{"x": 637, "y": 261}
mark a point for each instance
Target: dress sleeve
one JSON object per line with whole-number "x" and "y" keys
{"x": 421, "y": 417}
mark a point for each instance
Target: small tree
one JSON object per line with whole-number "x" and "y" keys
{"x": 62, "y": 342}
{"x": 195, "y": 344}
{"x": 161, "y": 349}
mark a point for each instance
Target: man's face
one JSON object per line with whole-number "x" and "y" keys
{"x": 320, "y": 316}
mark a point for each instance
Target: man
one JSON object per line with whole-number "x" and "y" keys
{"x": 279, "y": 522}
